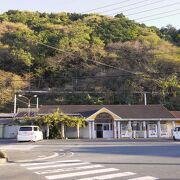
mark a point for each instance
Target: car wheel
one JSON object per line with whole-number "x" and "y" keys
{"x": 174, "y": 138}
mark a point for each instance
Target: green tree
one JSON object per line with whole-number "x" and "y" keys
{"x": 57, "y": 120}
{"x": 9, "y": 84}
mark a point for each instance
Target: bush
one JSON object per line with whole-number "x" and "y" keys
{"x": 3, "y": 154}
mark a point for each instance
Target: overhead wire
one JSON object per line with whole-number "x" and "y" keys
{"x": 160, "y": 17}
{"x": 140, "y": 11}
{"x": 97, "y": 62}
{"x": 102, "y": 7}
{"x": 156, "y": 14}
{"x": 114, "y": 67}
{"x": 153, "y": 9}
{"x": 49, "y": 46}
{"x": 104, "y": 64}
{"x": 132, "y": 5}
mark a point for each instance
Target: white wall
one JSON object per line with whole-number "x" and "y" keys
{"x": 107, "y": 134}
{"x": 10, "y": 131}
{"x": 71, "y": 132}
{"x": 84, "y": 132}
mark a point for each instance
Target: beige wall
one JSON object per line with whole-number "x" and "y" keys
{"x": 170, "y": 128}
{"x": 178, "y": 123}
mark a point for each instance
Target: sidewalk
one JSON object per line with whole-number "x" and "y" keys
{"x": 101, "y": 141}
{"x": 74, "y": 141}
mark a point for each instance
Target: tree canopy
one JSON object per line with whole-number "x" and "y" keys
{"x": 105, "y": 59}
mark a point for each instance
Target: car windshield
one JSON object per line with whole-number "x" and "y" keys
{"x": 25, "y": 129}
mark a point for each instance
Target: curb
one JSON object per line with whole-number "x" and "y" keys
{"x": 3, "y": 160}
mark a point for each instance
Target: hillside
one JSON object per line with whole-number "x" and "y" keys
{"x": 88, "y": 59}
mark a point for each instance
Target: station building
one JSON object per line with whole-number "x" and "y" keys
{"x": 118, "y": 121}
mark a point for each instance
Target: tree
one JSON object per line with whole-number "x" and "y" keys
{"x": 9, "y": 84}
{"x": 57, "y": 120}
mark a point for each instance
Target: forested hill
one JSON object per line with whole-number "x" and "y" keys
{"x": 88, "y": 59}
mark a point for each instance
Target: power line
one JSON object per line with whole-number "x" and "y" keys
{"x": 161, "y": 17}
{"x": 137, "y": 6}
{"x": 114, "y": 67}
{"x": 132, "y": 5}
{"x": 102, "y": 7}
{"x": 152, "y": 9}
{"x": 156, "y": 14}
{"x": 97, "y": 62}
{"x": 140, "y": 11}
{"x": 97, "y": 77}
{"x": 50, "y": 46}
{"x": 104, "y": 64}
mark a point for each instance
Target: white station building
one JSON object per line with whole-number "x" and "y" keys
{"x": 118, "y": 121}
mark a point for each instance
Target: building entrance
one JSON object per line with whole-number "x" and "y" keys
{"x": 99, "y": 130}
{"x": 103, "y": 126}
{"x": 138, "y": 129}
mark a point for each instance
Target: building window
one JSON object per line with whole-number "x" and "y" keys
{"x": 103, "y": 118}
{"x": 106, "y": 127}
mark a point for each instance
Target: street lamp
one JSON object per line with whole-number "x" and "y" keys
{"x": 29, "y": 102}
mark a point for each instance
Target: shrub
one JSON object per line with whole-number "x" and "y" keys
{"x": 3, "y": 154}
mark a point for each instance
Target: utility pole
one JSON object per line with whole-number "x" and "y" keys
{"x": 29, "y": 107}
{"x": 15, "y": 104}
{"x": 145, "y": 98}
{"x": 37, "y": 103}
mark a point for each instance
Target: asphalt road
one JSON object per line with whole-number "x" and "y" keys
{"x": 91, "y": 159}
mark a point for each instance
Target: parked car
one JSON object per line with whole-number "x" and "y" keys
{"x": 176, "y": 133}
{"x": 29, "y": 133}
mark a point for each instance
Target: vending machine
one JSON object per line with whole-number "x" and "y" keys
{"x": 152, "y": 130}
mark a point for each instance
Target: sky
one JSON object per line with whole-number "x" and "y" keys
{"x": 150, "y": 12}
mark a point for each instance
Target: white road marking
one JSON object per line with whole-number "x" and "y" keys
{"x": 109, "y": 176}
{"x": 19, "y": 147}
{"x": 70, "y": 169}
{"x": 144, "y": 178}
{"x": 61, "y": 176}
{"x": 40, "y": 159}
{"x": 68, "y": 166}
{"x": 71, "y": 154}
{"x": 52, "y": 162}
{"x": 54, "y": 166}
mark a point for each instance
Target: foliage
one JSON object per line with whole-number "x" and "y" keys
{"x": 171, "y": 34}
{"x": 56, "y": 119}
{"x": 3, "y": 154}
{"x": 9, "y": 83}
{"x": 81, "y": 43}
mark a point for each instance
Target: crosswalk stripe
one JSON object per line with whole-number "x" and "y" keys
{"x": 69, "y": 169}
{"x": 109, "y": 176}
{"x": 81, "y": 173}
{"x": 56, "y": 165}
{"x": 53, "y": 162}
{"x": 144, "y": 178}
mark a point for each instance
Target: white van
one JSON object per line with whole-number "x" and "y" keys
{"x": 176, "y": 133}
{"x": 29, "y": 133}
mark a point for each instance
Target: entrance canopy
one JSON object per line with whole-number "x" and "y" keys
{"x": 101, "y": 111}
